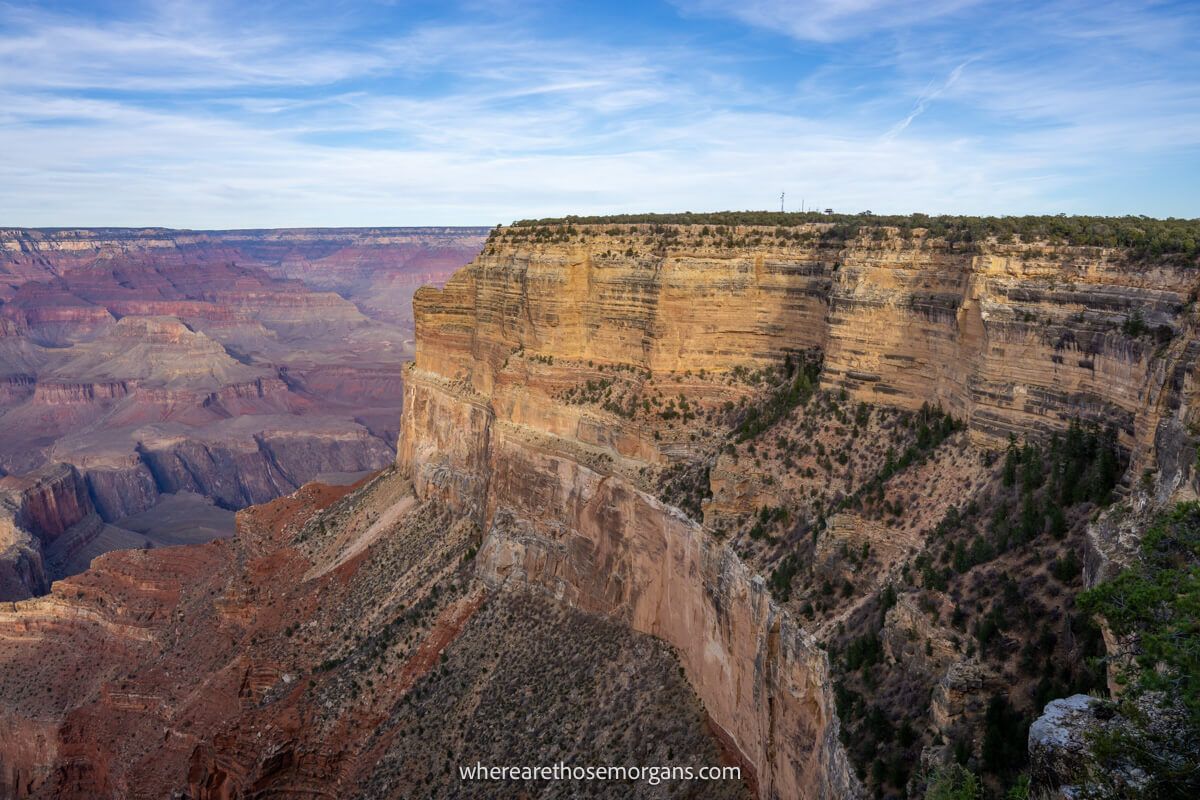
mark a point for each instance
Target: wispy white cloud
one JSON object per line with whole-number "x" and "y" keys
{"x": 163, "y": 54}
{"x": 828, "y": 20}
{"x": 176, "y": 117}
{"x": 926, "y": 97}
{"x": 231, "y": 174}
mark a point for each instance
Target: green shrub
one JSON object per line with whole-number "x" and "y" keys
{"x": 780, "y": 582}
{"x": 801, "y": 377}
{"x": 953, "y": 782}
{"x": 1157, "y": 601}
{"x": 1066, "y": 569}
{"x": 1155, "y": 604}
{"x": 1004, "y": 738}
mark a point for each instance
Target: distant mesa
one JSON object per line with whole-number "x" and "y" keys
{"x": 153, "y": 362}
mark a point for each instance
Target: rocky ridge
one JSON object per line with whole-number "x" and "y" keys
{"x": 339, "y": 646}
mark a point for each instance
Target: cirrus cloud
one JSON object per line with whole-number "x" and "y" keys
{"x": 197, "y": 116}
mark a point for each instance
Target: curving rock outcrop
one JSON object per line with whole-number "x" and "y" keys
{"x": 37, "y": 511}
{"x": 48, "y": 501}
{"x": 555, "y": 486}
{"x": 1014, "y": 338}
{"x": 1066, "y": 761}
{"x": 339, "y": 646}
{"x": 598, "y": 543}
{"x": 22, "y": 568}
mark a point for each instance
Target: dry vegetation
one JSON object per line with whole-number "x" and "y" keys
{"x": 530, "y": 682}
{"x": 942, "y": 575}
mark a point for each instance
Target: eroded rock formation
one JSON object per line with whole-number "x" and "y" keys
{"x": 234, "y": 365}
{"x": 776, "y": 452}
{"x": 535, "y": 405}
{"x": 338, "y": 647}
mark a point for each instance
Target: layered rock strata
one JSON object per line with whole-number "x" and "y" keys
{"x": 231, "y": 364}
{"x": 1012, "y": 337}
{"x": 557, "y": 516}
{"x": 557, "y": 378}
{"x": 1017, "y": 338}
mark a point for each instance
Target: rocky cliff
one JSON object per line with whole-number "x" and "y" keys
{"x": 571, "y": 369}
{"x": 1011, "y": 337}
{"x": 340, "y": 646}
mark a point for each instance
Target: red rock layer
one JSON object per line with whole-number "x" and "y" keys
{"x": 129, "y": 354}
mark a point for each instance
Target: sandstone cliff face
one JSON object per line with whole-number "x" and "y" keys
{"x": 592, "y": 539}
{"x": 597, "y": 542}
{"x": 556, "y": 486}
{"x": 49, "y": 501}
{"x": 1014, "y": 339}
{"x": 39, "y": 511}
{"x": 557, "y": 380}
{"x": 661, "y": 308}
{"x": 1011, "y": 338}
{"x": 22, "y": 568}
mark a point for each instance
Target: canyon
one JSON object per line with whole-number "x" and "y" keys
{"x": 811, "y": 500}
{"x": 214, "y": 368}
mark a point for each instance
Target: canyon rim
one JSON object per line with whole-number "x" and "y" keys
{"x": 818, "y": 500}
{"x": 390, "y": 411}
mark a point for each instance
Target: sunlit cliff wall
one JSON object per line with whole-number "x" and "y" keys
{"x": 1013, "y": 338}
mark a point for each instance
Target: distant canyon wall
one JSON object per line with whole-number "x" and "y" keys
{"x": 377, "y": 268}
{"x": 232, "y": 364}
{"x": 31, "y": 253}
{"x": 60, "y": 509}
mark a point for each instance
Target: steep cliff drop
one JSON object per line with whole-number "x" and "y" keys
{"x": 575, "y": 376}
{"x": 340, "y": 646}
{"x": 591, "y": 538}
{"x": 634, "y": 454}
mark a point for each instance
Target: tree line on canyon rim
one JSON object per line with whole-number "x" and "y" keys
{"x": 1143, "y": 237}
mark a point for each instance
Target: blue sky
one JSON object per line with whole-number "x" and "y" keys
{"x": 195, "y": 114}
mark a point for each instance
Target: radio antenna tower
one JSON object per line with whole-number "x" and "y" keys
{"x": 781, "y": 194}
